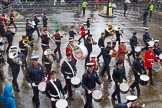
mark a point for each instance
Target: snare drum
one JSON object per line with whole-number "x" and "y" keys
{"x": 42, "y": 86}
{"x": 160, "y": 56}
{"x": 156, "y": 66}
{"x": 137, "y": 49}
{"x": 80, "y": 52}
{"x": 124, "y": 87}
{"x": 144, "y": 79}
{"x": 97, "y": 95}
{"x": 61, "y": 103}
{"x": 75, "y": 81}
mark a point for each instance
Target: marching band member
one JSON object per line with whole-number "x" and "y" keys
{"x": 15, "y": 64}
{"x": 88, "y": 23}
{"x": 54, "y": 88}
{"x": 148, "y": 61}
{"x": 45, "y": 20}
{"x": 2, "y": 29}
{"x": 4, "y": 19}
{"x": 23, "y": 47}
{"x": 70, "y": 47}
{"x": 35, "y": 75}
{"x": 93, "y": 60}
{"x": 138, "y": 68}
{"x": 118, "y": 76}
{"x": 88, "y": 44}
{"x": 146, "y": 38}
{"x": 122, "y": 50}
{"x": 48, "y": 60}
{"x": 12, "y": 16}
{"x": 133, "y": 44}
{"x": 101, "y": 44}
{"x": 82, "y": 32}
{"x": 157, "y": 49}
{"x": 72, "y": 32}
{"x": 36, "y": 20}
{"x": 107, "y": 59}
{"x": 68, "y": 69}
{"x": 58, "y": 37}
{"x": 9, "y": 35}
{"x": 45, "y": 40}
{"x": 118, "y": 33}
{"x": 29, "y": 30}
{"x": 89, "y": 80}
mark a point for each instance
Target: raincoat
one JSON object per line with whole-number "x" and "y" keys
{"x": 7, "y": 99}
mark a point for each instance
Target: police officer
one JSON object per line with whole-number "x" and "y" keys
{"x": 89, "y": 80}
{"x": 118, "y": 76}
{"x": 88, "y": 44}
{"x": 15, "y": 65}
{"x": 107, "y": 60}
{"x": 48, "y": 59}
{"x": 35, "y": 75}
{"x": 9, "y": 35}
{"x": 57, "y": 37}
{"x": 54, "y": 88}
{"x": 138, "y": 68}
{"x": 84, "y": 5}
{"x": 133, "y": 44}
{"x": 101, "y": 44}
{"x": 45, "y": 40}
{"x": 36, "y": 20}
{"x": 68, "y": 69}
{"x": 146, "y": 38}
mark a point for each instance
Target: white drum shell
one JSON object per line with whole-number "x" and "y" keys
{"x": 80, "y": 52}
{"x": 144, "y": 79}
{"x": 61, "y": 103}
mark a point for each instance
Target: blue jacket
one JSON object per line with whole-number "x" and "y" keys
{"x": 7, "y": 99}
{"x": 146, "y": 38}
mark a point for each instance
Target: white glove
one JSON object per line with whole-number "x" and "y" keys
{"x": 34, "y": 85}
{"x": 89, "y": 91}
{"x": 53, "y": 99}
{"x": 20, "y": 62}
{"x": 67, "y": 77}
{"x": 65, "y": 96}
{"x": 45, "y": 78}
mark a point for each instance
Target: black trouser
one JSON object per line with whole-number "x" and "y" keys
{"x": 88, "y": 56}
{"x": 58, "y": 44}
{"x": 36, "y": 96}
{"x": 150, "y": 75}
{"x": 117, "y": 92}
{"x": 68, "y": 87}
{"x": 100, "y": 53}
{"x": 118, "y": 39}
{"x": 24, "y": 52}
{"x": 146, "y": 48}
{"x": 81, "y": 38}
{"x": 9, "y": 45}
{"x": 136, "y": 84}
{"x": 29, "y": 37}
{"x": 132, "y": 52}
{"x": 53, "y": 103}
{"x": 44, "y": 47}
{"x": 83, "y": 10}
{"x": 15, "y": 73}
{"x": 88, "y": 101}
{"x": 106, "y": 68}
{"x": 48, "y": 69}
{"x": 36, "y": 28}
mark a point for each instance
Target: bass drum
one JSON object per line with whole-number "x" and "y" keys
{"x": 80, "y": 52}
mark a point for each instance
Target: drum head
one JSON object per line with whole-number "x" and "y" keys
{"x": 160, "y": 56}
{"x": 75, "y": 80}
{"x": 80, "y": 52}
{"x": 131, "y": 97}
{"x": 156, "y": 66}
{"x": 138, "y": 49}
{"x": 124, "y": 87}
{"x": 97, "y": 94}
{"x": 61, "y": 103}
{"x": 42, "y": 86}
{"x": 144, "y": 78}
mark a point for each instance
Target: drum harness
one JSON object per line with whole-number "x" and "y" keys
{"x": 56, "y": 90}
{"x": 70, "y": 68}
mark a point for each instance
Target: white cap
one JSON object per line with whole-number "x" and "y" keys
{"x": 151, "y": 43}
{"x": 93, "y": 56}
{"x": 13, "y": 47}
{"x": 47, "y": 52}
{"x": 35, "y": 57}
{"x": 108, "y": 40}
{"x": 123, "y": 40}
{"x": 90, "y": 64}
{"x": 156, "y": 40}
{"x": 131, "y": 98}
{"x": 71, "y": 40}
{"x": 84, "y": 23}
{"x": 147, "y": 28}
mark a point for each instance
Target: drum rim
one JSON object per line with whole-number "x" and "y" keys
{"x": 94, "y": 92}
{"x": 121, "y": 88}
{"x": 61, "y": 101}
{"x": 40, "y": 86}
{"x": 80, "y": 51}
{"x": 144, "y": 76}
{"x": 72, "y": 79}
{"x": 135, "y": 97}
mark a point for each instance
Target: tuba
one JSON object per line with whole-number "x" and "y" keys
{"x": 48, "y": 55}
{"x": 26, "y": 41}
{"x": 110, "y": 30}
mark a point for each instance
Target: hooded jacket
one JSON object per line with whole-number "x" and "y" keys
{"x": 7, "y": 99}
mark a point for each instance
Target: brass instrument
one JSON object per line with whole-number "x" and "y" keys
{"x": 110, "y": 29}
{"x": 50, "y": 36}
{"x": 48, "y": 55}
{"x": 26, "y": 41}
{"x": 13, "y": 54}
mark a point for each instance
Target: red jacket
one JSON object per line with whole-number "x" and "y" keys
{"x": 148, "y": 59}
{"x": 82, "y": 31}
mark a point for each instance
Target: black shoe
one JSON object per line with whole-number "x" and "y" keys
{"x": 113, "y": 98}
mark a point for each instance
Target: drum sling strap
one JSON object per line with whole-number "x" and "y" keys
{"x": 70, "y": 67}
{"x": 55, "y": 87}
